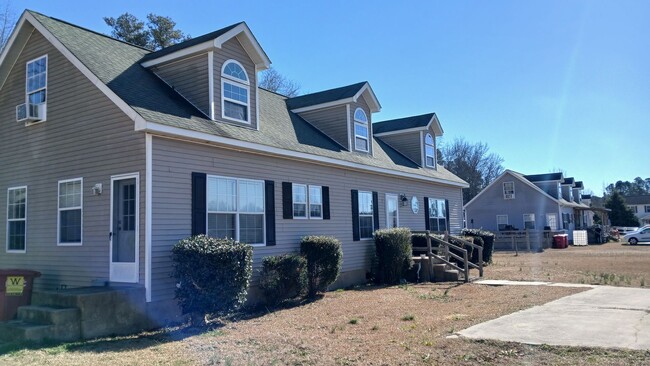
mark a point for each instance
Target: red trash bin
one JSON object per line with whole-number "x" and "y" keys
{"x": 15, "y": 290}
{"x": 557, "y": 241}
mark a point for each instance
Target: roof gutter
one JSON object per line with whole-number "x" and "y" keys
{"x": 233, "y": 144}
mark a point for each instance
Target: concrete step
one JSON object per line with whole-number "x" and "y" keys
{"x": 451, "y": 275}
{"x": 17, "y": 330}
{"x": 439, "y": 272}
{"x": 39, "y": 314}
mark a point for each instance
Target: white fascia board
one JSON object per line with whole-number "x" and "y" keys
{"x": 122, "y": 105}
{"x": 10, "y": 42}
{"x": 437, "y": 127}
{"x": 201, "y": 137}
{"x": 250, "y": 44}
{"x": 399, "y": 132}
{"x": 323, "y": 105}
{"x": 374, "y": 105}
{"x": 201, "y": 47}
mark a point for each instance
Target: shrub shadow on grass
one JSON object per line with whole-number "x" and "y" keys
{"x": 113, "y": 344}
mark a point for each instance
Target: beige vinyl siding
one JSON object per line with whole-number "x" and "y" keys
{"x": 409, "y": 144}
{"x": 332, "y": 122}
{"x": 85, "y": 136}
{"x": 233, "y": 50}
{"x": 189, "y": 77}
{"x": 175, "y": 160}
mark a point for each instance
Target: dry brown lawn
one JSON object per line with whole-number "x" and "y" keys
{"x": 399, "y": 325}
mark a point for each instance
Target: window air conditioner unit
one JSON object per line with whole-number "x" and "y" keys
{"x": 509, "y": 196}
{"x": 30, "y": 112}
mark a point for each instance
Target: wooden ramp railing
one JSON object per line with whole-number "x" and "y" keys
{"x": 444, "y": 254}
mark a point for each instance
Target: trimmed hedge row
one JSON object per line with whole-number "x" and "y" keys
{"x": 283, "y": 277}
{"x": 394, "y": 254}
{"x": 212, "y": 275}
{"x": 488, "y": 241}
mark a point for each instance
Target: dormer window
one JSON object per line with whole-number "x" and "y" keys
{"x": 429, "y": 152}
{"x": 235, "y": 92}
{"x": 360, "y": 130}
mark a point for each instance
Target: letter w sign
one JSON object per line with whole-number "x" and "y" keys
{"x": 15, "y": 285}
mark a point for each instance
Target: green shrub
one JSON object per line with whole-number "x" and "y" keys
{"x": 212, "y": 274}
{"x": 283, "y": 277}
{"x": 324, "y": 257}
{"x": 488, "y": 241}
{"x": 394, "y": 254}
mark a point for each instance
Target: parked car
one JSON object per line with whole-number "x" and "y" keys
{"x": 640, "y": 235}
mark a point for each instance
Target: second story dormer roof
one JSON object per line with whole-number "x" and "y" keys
{"x": 545, "y": 177}
{"x": 407, "y": 124}
{"x": 333, "y": 97}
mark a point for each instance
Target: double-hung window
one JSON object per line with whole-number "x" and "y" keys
{"x": 429, "y": 151}
{"x": 502, "y": 222}
{"x": 307, "y": 201}
{"x": 16, "y": 219}
{"x": 70, "y": 211}
{"x": 235, "y": 92}
{"x": 366, "y": 206}
{"x": 508, "y": 190}
{"x": 647, "y": 208}
{"x": 361, "y": 139}
{"x": 437, "y": 215}
{"x": 236, "y": 209}
{"x": 529, "y": 221}
{"x": 36, "y": 83}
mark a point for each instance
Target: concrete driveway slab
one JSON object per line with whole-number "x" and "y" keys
{"x": 601, "y": 317}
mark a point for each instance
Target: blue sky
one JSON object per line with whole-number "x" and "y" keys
{"x": 546, "y": 84}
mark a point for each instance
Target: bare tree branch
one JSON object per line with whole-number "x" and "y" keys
{"x": 7, "y": 22}
{"x": 272, "y": 80}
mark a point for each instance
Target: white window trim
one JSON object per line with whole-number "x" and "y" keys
{"x": 533, "y": 220}
{"x": 426, "y": 156}
{"x": 12, "y": 220}
{"x": 509, "y": 196}
{"x": 362, "y": 124}
{"x": 58, "y": 212}
{"x": 372, "y": 216}
{"x": 444, "y": 214}
{"x": 320, "y": 188}
{"x": 306, "y": 203}
{"x": 47, "y": 71}
{"x": 239, "y": 83}
{"x": 548, "y": 222}
{"x": 392, "y": 195}
{"x": 237, "y": 212}
{"x": 646, "y": 208}
{"x": 498, "y": 223}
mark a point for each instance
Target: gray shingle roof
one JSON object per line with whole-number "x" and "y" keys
{"x": 637, "y": 200}
{"x": 325, "y": 96}
{"x": 117, "y": 64}
{"x": 402, "y": 123}
{"x": 189, "y": 43}
{"x": 543, "y": 177}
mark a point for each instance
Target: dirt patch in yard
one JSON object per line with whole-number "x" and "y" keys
{"x": 614, "y": 264}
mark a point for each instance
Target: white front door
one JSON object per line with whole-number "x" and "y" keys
{"x": 124, "y": 232}
{"x": 392, "y": 211}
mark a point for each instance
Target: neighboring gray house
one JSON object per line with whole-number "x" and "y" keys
{"x": 640, "y": 205}
{"x": 536, "y": 202}
{"x": 112, "y": 153}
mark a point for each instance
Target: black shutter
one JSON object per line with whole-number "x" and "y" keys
{"x": 199, "y": 202}
{"x": 326, "y": 203}
{"x": 269, "y": 204}
{"x": 427, "y": 222}
{"x": 287, "y": 200}
{"x": 375, "y": 210}
{"x": 355, "y": 215}
{"x": 447, "y": 214}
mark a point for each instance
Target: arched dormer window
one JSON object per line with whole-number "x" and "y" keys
{"x": 360, "y": 130}
{"x": 235, "y": 92}
{"x": 429, "y": 151}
